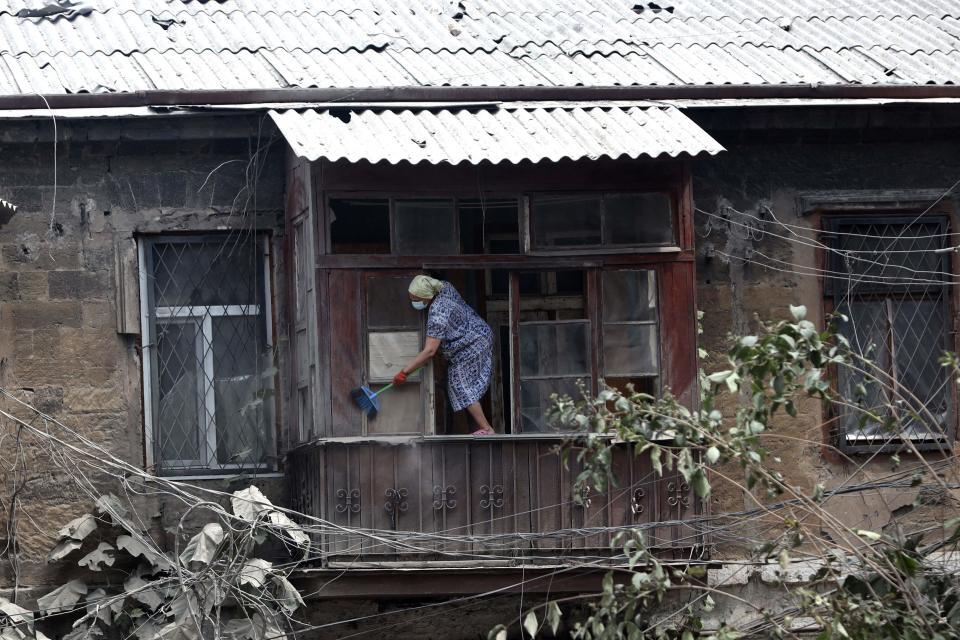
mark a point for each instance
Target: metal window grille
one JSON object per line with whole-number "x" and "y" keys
{"x": 887, "y": 277}
{"x": 208, "y": 365}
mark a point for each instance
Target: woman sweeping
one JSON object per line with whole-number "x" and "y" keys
{"x": 465, "y": 340}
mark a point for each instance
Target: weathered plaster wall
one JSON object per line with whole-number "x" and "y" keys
{"x": 773, "y": 156}
{"x": 60, "y": 348}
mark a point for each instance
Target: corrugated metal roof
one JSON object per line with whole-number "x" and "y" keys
{"x": 506, "y": 134}
{"x": 121, "y": 46}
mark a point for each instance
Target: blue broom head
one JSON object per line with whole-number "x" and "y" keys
{"x": 367, "y": 400}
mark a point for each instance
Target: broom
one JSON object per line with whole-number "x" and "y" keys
{"x": 368, "y": 401}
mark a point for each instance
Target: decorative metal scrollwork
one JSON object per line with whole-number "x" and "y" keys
{"x": 349, "y": 501}
{"x": 491, "y": 497}
{"x": 636, "y": 504}
{"x": 443, "y": 497}
{"x": 679, "y": 495}
{"x": 395, "y": 504}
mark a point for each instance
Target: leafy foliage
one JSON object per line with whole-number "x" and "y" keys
{"x": 871, "y": 585}
{"x": 183, "y": 595}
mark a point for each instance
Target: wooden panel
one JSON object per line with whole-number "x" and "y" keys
{"x": 550, "y": 497}
{"x": 436, "y": 488}
{"x": 346, "y": 361}
{"x": 678, "y": 330}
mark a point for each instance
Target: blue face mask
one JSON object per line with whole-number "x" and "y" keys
{"x": 419, "y": 305}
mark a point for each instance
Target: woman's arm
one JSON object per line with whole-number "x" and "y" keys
{"x": 430, "y": 348}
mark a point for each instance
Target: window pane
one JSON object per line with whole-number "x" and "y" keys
{"x": 867, "y": 330}
{"x": 638, "y": 218}
{"x": 629, "y": 296}
{"x": 569, "y": 220}
{"x": 401, "y": 410}
{"x": 179, "y": 427}
{"x": 425, "y": 228}
{"x": 888, "y": 257}
{"x": 207, "y": 273}
{"x": 919, "y": 336}
{"x": 388, "y": 303}
{"x": 243, "y": 394}
{"x": 360, "y": 226}
{"x": 554, "y": 349}
{"x": 535, "y": 401}
{"x": 489, "y": 226}
{"x": 630, "y": 349}
{"x": 389, "y": 351}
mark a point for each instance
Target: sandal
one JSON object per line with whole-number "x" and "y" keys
{"x": 483, "y": 432}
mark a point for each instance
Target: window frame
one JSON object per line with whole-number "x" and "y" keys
{"x": 201, "y": 315}
{"x": 649, "y": 247}
{"x": 832, "y": 223}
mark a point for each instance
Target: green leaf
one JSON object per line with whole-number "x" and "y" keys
{"x": 62, "y": 598}
{"x": 700, "y": 483}
{"x": 499, "y": 632}
{"x": 719, "y": 376}
{"x": 203, "y": 547}
{"x": 713, "y": 454}
{"x": 655, "y": 460}
{"x": 102, "y": 555}
{"x": 530, "y": 624}
{"x": 553, "y": 617}
{"x": 798, "y": 312}
{"x": 254, "y": 573}
{"x": 784, "y": 559}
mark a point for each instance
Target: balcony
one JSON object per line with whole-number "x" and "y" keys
{"x": 498, "y": 501}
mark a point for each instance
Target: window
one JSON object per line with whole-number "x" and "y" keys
{"x": 888, "y": 280}
{"x": 561, "y": 323}
{"x": 394, "y": 337}
{"x": 578, "y": 220}
{"x": 209, "y": 373}
{"x": 424, "y": 226}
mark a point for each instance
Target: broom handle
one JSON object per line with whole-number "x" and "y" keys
{"x": 391, "y": 384}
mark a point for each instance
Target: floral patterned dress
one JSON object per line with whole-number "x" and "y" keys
{"x": 467, "y": 345}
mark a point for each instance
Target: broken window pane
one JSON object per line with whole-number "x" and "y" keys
{"x": 489, "y": 226}
{"x": 360, "y": 226}
{"x": 568, "y": 220}
{"x": 554, "y": 349}
{"x": 629, "y": 296}
{"x": 535, "y": 401}
{"x": 637, "y": 218}
{"x": 425, "y": 228}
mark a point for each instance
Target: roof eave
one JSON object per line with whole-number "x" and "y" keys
{"x": 474, "y": 94}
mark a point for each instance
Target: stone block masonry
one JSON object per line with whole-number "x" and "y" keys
{"x": 59, "y": 343}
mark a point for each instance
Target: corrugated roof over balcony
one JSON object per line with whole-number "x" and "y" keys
{"x": 508, "y": 134}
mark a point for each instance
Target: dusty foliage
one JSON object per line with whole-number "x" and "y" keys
{"x": 212, "y": 586}
{"x": 870, "y": 585}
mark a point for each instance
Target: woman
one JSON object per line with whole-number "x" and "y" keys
{"x": 465, "y": 339}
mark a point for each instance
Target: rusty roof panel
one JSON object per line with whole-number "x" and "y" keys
{"x": 508, "y": 134}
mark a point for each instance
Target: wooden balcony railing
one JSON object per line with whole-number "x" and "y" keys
{"x": 463, "y": 498}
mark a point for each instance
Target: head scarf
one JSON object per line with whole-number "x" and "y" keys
{"x": 425, "y": 287}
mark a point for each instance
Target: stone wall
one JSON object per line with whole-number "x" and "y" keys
{"x": 773, "y": 157}
{"x": 67, "y": 262}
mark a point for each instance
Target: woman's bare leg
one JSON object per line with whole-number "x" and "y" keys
{"x": 476, "y": 411}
